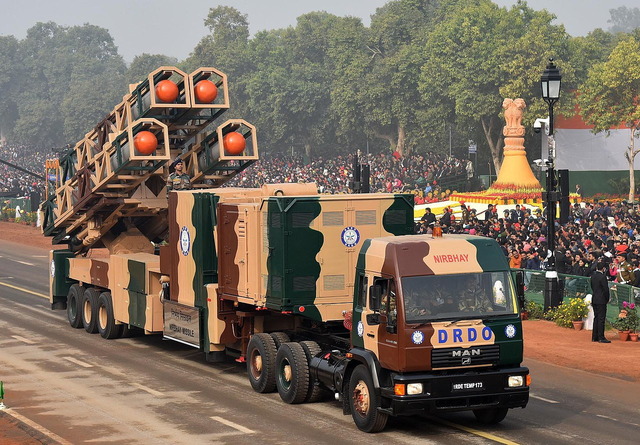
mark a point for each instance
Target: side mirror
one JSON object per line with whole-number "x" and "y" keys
{"x": 375, "y": 295}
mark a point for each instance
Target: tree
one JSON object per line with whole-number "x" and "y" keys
{"x": 624, "y": 19}
{"x": 610, "y": 97}
{"x": 480, "y": 53}
{"x": 59, "y": 65}
{"x": 9, "y": 63}
{"x": 143, "y": 64}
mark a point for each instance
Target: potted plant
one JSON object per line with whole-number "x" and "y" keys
{"x": 627, "y": 322}
{"x": 571, "y": 313}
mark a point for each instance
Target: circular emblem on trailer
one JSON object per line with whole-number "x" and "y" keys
{"x": 417, "y": 337}
{"x": 350, "y": 236}
{"x": 510, "y": 331}
{"x": 52, "y": 268}
{"x": 360, "y": 329}
{"x": 185, "y": 241}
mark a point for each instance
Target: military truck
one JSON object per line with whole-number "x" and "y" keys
{"x": 316, "y": 293}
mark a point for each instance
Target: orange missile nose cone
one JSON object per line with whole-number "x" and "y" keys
{"x": 145, "y": 142}
{"x": 166, "y": 91}
{"x": 206, "y": 91}
{"x": 234, "y": 143}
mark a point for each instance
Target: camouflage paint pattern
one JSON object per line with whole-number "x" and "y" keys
{"x": 423, "y": 255}
{"x": 289, "y": 253}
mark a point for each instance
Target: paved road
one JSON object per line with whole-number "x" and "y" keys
{"x": 78, "y": 388}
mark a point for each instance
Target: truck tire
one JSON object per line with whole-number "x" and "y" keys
{"x": 261, "y": 363}
{"x": 365, "y": 402}
{"x": 90, "y": 310}
{"x": 311, "y": 349}
{"x": 74, "y": 305}
{"x": 292, "y": 373}
{"x": 490, "y": 416}
{"x": 107, "y": 327}
{"x": 279, "y": 338}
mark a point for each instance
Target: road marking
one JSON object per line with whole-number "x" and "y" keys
{"x": 78, "y": 362}
{"x": 476, "y": 432}
{"x": 543, "y": 399}
{"x": 240, "y": 428}
{"x": 153, "y": 392}
{"x": 39, "y": 428}
{"x": 18, "y": 261}
{"x": 40, "y": 256}
{"x": 24, "y": 340}
{"x": 22, "y": 289}
{"x": 606, "y": 417}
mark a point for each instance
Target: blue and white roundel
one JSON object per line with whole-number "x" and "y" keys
{"x": 350, "y": 236}
{"x": 417, "y": 337}
{"x": 185, "y": 241}
{"x": 510, "y": 331}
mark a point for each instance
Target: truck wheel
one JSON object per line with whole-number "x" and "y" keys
{"x": 261, "y": 363}
{"x": 279, "y": 338}
{"x": 365, "y": 402}
{"x": 90, "y": 310}
{"x": 74, "y": 305}
{"x": 107, "y": 326}
{"x": 490, "y": 416}
{"x": 311, "y": 349}
{"x": 292, "y": 373}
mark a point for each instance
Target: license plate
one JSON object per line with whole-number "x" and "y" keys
{"x": 467, "y": 386}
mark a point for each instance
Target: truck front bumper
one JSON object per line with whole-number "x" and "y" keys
{"x": 457, "y": 392}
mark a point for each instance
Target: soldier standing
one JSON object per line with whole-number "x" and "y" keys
{"x": 178, "y": 180}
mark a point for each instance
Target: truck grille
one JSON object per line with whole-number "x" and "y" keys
{"x": 463, "y": 357}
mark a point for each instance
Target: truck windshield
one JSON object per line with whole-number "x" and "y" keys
{"x": 440, "y": 297}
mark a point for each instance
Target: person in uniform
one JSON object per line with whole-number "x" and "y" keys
{"x": 625, "y": 269}
{"x": 178, "y": 180}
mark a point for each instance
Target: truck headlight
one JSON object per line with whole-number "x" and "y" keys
{"x": 414, "y": 388}
{"x": 516, "y": 381}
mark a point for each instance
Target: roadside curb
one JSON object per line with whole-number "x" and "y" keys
{"x": 19, "y": 431}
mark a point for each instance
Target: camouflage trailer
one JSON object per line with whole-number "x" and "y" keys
{"x": 316, "y": 293}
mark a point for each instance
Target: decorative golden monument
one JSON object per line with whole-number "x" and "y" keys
{"x": 515, "y": 182}
{"x": 515, "y": 173}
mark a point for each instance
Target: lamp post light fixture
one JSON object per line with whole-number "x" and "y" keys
{"x": 550, "y": 83}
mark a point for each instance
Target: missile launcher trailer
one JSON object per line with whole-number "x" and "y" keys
{"x": 316, "y": 293}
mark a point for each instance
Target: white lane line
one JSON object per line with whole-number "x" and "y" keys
{"x": 24, "y": 340}
{"x": 543, "y": 399}
{"x": 42, "y": 430}
{"x": 21, "y": 262}
{"x": 240, "y": 428}
{"x": 606, "y": 417}
{"x": 78, "y": 362}
{"x": 39, "y": 256}
{"x": 153, "y": 392}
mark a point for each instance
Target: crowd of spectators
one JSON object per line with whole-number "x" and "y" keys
{"x": 604, "y": 231}
{"x": 417, "y": 173}
{"x": 15, "y": 182}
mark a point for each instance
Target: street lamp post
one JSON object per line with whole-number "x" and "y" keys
{"x": 550, "y": 83}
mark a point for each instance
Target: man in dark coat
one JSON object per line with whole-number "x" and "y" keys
{"x": 428, "y": 218}
{"x": 599, "y": 300}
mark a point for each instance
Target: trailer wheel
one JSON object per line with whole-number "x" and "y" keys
{"x": 107, "y": 326}
{"x": 311, "y": 349}
{"x": 74, "y": 305}
{"x": 292, "y": 373}
{"x": 365, "y": 402}
{"x": 490, "y": 416}
{"x": 261, "y": 363}
{"x": 90, "y": 310}
{"x": 279, "y": 338}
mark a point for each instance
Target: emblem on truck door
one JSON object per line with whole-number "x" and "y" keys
{"x": 510, "y": 331}
{"x": 185, "y": 241}
{"x": 417, "y": 337}
{"x": 350, "y": 236}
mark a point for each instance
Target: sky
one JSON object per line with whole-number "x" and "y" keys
{"x": 173, "y": 28}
